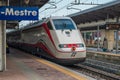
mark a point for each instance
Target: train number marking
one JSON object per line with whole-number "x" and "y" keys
{"x": 73, "y": 54}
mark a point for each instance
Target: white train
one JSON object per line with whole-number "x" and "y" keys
{"x": 56, "y": 38}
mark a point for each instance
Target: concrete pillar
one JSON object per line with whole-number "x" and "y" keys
{"x": 85, "y": 37}
{"x": 109, "y": 34}
{"x": 2, "y": 43}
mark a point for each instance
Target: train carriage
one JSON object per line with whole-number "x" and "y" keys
{"x": 56, "y": 38}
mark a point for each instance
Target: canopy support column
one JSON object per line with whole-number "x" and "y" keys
{"x": 2, "y": 42}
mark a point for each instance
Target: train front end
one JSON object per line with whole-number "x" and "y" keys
{"x": 69, "y": 45}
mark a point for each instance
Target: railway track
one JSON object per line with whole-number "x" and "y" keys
{"x": 98, "y": 70}
{"x": 98, "y": 74}
{"x": 105, "y": 66}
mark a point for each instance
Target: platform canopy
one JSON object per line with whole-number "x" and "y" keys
{"x": 38, "y": 3}
{"x": 29, "y": 3}
{"x": 101, "y": 12}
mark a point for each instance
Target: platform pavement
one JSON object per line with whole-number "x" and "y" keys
{"x": 22, "y": 66}
{"x": 100, "y": 50}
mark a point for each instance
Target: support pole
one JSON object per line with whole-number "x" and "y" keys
{"x": 98, "y": 42}
{"x": 85, "y": 37}
{"x": 2, "y": 46}
{"x": 117, "y": 39}
{"x": 2, "y": 42}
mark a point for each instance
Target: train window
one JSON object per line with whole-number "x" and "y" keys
{"x": 63, "y": 24}
{"x": 50, "y": 26}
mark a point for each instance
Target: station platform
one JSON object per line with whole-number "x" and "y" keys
{"x": 108, "y": 56}
{"x": 100, "y": 50}
{"x": 23, "y": 66}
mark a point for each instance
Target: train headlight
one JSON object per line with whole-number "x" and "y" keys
{"x": 63, "y": 46}
{"x": 80, "y": 45}
{"x": 71, "y": 45}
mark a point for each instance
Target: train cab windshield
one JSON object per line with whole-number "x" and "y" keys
{"x": 62, "y": 24}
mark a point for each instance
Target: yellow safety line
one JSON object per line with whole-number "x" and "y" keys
{"x": 76, "y": 76}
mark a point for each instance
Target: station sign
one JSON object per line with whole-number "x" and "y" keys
{"x": 18, "y": 13}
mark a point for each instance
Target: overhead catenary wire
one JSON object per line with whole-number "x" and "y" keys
{"x": 78, "y": 2}
{"x": 59, "y": 9}
{"x": 53, "y": 5}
